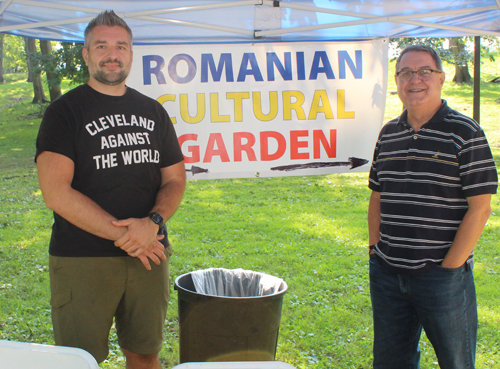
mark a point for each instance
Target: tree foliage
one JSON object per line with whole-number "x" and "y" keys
{"x": 489, "y": 46}
{"x": 14, "y": 57}
{"x": 458, "y": 51}
{"x": 65, "y": 61}
{"x": 56, "y": 60}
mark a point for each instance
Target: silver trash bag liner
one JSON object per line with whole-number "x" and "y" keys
{"x": 235, "y": 283}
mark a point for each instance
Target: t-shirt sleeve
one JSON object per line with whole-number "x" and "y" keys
{"x": 373, "y": 182}
{"x": 171, "y": 151}
{"x": 477, "y": 168}
{"x": 55, "y": 133}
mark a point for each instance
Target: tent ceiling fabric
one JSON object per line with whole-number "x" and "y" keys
{"x": 205, "y": 21}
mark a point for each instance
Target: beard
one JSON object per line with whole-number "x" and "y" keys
{"x": 110, "y": 78}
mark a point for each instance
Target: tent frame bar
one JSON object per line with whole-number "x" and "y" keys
{"x": 371, "y": 19}
{"x": 234, "y": 4}
{"x": 148, "y": 15}
{"x": 198, "y": 25}
{"x": 388, "y": 17}
{"x": 144, "y": 15}
{"x": 42, "y": 4}
{"x": 4, "y": 6}
{"x": 465, "y": 31}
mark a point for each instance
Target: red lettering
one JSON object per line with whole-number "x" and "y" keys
{"x": 319, "y": 138}
{"x": 264, "y": 145}
{"x": 194, "y": 150}
{"x": 239, "y": 147}
{"x": 244, "y": 142}
{"x": 295, "y": 145}
{"x": 215, "y": 139}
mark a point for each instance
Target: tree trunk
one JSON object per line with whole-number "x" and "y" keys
{"x": 54, "y": 87}
{"x": 2, "y": 80}
{"x": 462, "y": 74}
{"x": 28, "y": 62}
{"x": 39, "y": 96}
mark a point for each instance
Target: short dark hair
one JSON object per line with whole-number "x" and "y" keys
{"x": 105, "y": 18}
{"x": 423, "y": 49}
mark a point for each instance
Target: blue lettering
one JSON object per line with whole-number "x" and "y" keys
{"x": 154, "y": 64}
{"x": 273, "y": 60}
{"x": 301, "y": 70}
{"x": 147, "y": 69}
{"x": 254, "y": 68}
{"x": 357, "y": 71}
{"x": 172, "y": 68}
{"x": 321, "y": 56}
{"x": 207, "y": 60}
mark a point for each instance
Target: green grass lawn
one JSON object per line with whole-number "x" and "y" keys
{"x": 310, "y": 231}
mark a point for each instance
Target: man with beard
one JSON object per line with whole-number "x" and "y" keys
{"x": 110, "y": 167}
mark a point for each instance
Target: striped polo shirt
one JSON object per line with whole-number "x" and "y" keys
{"x": 424, "y": 179}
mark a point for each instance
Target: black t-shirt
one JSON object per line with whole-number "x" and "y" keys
{"x": 118, "y": 145}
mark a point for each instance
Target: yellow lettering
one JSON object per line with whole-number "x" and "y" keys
{"x": 320, "y": 104}
{"x": 214, "y": 110}
{"x": 288, "y": 105}
{"x": 273, "y": 106}
{"x": 163, "y": 99}
{"x": 341, "y": 113}
{"x": 200, "y": 108}
{"x": 238, "y": 103}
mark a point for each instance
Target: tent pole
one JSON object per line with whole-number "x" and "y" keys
{"x": 477, "y": 78}
{"x": 463, "y": 30}
{"x": 144, "y": 15}
{"x": 372, "y": 19}
{"x": 386, "y": 17}
{"x": 197, "y": 25}
{"x": 183, "y": 9}
{"x": 4, "y": 6}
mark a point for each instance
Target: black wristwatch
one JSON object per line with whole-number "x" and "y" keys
{"x": 156, "y": 218}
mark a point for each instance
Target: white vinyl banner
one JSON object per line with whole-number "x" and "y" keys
{"x": 269, "y": 109}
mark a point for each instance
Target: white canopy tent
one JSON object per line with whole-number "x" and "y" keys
{"x": 205, "y": 21}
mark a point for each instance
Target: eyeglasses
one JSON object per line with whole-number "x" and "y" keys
{"x": 423, "y": 74}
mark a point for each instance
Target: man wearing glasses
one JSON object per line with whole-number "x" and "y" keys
{"x": 432, "y": 179}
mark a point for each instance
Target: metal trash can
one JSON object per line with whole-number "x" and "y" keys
{"x": 229, "y": 315}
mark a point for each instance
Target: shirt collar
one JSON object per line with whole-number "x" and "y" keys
{"x": 438, "y": 117}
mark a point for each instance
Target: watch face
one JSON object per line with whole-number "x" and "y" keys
{"x": 157, "y": 218}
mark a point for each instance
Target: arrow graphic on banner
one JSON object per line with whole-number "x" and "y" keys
{"x": 195, "y": 170}
{"x": 353, "y": 163}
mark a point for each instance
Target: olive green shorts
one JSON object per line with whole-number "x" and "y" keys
{"x": 87, "y": 293}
